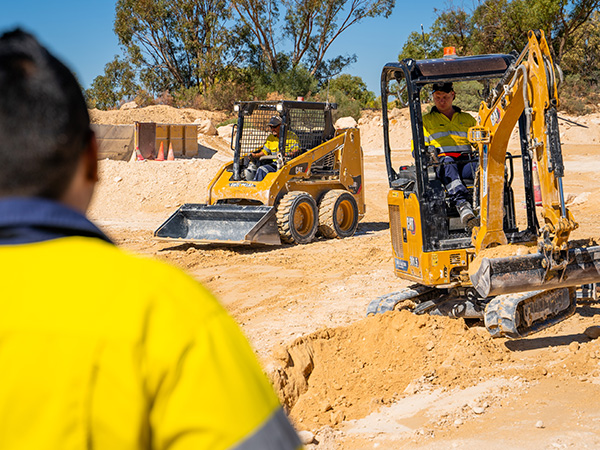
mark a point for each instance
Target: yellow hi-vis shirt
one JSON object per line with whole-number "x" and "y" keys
{"x": 100, "y": 349}
{"x": 449, "y": 136}
{"x": 292, "y": 144}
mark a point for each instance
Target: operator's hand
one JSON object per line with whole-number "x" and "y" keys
{"x": 433, "y": 153}
{"x": 256, "y": 155}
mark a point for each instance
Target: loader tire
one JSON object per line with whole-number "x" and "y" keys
{"x": 338, "y": 214}
{"x": 297, "y": 218}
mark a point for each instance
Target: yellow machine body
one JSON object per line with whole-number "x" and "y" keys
{"x": 319, "y": 188}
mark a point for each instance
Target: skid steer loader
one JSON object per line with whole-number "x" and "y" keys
{"x": 321, "y": 190}
{"x": 515, "y": 274}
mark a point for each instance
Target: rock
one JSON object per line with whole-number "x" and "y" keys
{"x": 539, "y": 424}
{"x": 478, "y": 409}
{"x": 345, "y": 122}
{"x": 129, "y": 105}
{"x": 458, "y": 422}
{"x": 225, "y": 132}
{"x": 574, "y": 346}
{"x": 205, "y": 126}
{"x": 306, "y": 437}
{"x": 592, "y": 332}
{"x": 337, "y": 417}
{"x": 581, "y": 198}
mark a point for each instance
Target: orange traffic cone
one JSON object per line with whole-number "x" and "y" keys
{"x": 161, "y": 153}
{"x": 170, "y": 154}
{"x": 138, "y": 154}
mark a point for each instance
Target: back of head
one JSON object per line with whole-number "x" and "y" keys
{"x": 44, "y": 122}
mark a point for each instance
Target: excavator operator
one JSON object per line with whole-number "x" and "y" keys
{"x": 271, "y": 147}
{"x": 446, "y": 128}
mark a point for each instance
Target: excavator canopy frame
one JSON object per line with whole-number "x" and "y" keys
{"x": 415, "y": 75}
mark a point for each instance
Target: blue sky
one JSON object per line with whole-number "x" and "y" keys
{"x": 80, "y": 32}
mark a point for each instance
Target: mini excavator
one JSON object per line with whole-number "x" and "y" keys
{"x": 320, "y": 190}
{"x": 483, "y": 272}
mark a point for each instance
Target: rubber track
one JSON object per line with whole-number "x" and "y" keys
{"x": 501, "y": 315}
{"x": 388, "y": 302}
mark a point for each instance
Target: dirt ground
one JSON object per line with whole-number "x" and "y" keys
{"x": 393, "y": 381}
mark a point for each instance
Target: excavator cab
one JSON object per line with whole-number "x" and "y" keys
{"x": 424, "y": 222}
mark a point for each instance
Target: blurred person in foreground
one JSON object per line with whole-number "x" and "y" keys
{"x": 99, "y": 348}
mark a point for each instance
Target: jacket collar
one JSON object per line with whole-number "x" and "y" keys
{"x": 435, "y": 110}
{"x": 28, "y": 220}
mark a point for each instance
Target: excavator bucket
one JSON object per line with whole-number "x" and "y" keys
{"x": 242, "y": 224}
{"x": 513, "y": 274}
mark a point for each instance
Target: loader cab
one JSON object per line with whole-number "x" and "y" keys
{"x": 311, "y": 122}
{"x": 418, "y": 202}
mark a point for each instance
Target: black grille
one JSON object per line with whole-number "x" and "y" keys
{"x": 396, "y": 230}
{"x": 305, "y": 120}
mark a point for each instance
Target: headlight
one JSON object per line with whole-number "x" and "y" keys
{"x": 236, "y": 108}
{"x": 280, "y": 107}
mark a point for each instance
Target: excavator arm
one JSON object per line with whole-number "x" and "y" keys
{"x": 529, "y": 88}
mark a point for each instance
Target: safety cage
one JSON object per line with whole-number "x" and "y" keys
{"x": 311, "y": 121}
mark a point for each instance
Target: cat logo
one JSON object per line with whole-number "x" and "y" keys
{"x": 300, "y": 168}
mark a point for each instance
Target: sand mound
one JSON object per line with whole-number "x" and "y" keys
{"x": 157, "y": 113}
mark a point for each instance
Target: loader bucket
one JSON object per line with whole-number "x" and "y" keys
{"x": 239, "y": 224}
{"x": 512, "y": 274}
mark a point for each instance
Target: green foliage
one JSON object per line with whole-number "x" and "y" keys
{"x": 420, "y": 46}
{"x": 354, "y": 88}
{"x": 209, "y": 53}
{"x": 311, "y": 26}
{"x": 346, "y": 106}
{"x": 177, "y": 43}
{"x": 468, "y": 95}
{"x": 290, "y": 83}
{"x": 222, "y": 96}
{"x": 115, "y": 86}
{"x": 578, "y": 95}
{"x": 583, "y": 56}
{"x": 572, "y": 28}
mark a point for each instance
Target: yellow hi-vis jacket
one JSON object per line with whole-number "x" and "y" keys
{"x": 100, "y": 349}
{"x": 292, "y": 144}
{"x": 449, "y": 136}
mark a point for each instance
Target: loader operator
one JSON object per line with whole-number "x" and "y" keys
{"x": 99, "y": 348}
{"x": 445, "y": 129}
{"x": 271, "y": 147}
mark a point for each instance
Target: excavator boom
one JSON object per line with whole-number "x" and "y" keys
{"x": 528, "y": 88}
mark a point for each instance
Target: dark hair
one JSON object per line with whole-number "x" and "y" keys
{"x": 444, "y": 87}
{"x": 44, "y": 121}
